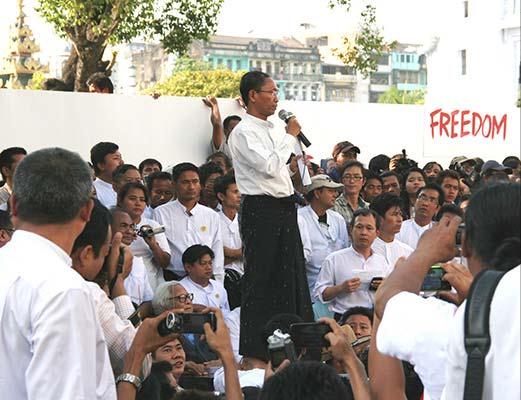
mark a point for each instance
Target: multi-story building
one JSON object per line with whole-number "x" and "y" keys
{"x": 474, "y": 57}
{"x": 408, "y": 67}
{"x": 295, "y": 67}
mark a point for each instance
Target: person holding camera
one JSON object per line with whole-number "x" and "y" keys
{"x": 151, "y": 243}
{"x": 429, "y": 333}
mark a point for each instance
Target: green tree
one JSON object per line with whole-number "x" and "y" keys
{"x": 91, "y": 25}
{"x": 362, "y": 51}
{"x": 36, "y": 82}
{"x": 194, "y": 78}
{"x": 395, "y": 96}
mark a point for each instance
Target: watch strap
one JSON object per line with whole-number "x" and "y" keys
{"x": 135, "y": 380}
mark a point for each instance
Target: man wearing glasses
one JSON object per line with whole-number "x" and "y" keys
{"x": 353, "y": 181}
{"x": 429, "y": 200}
{"x": 274, "y": 278}
{"x": 6, "y": 228}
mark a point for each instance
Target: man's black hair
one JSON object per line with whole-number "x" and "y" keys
{"x": 384, "y": 202}
{"x": 365, "y": 212}
{"x": 351, "y": 164}
{"x": 118, "y": 173}
{"x": 148, "y": 161}
{"x": 183, "y": 167}
{"x": 447, "y": 173}
{"x": 96, "y": 230}
{"x": 6, "y": 157}
{"x": 436, "y": 187}
{"x": 222, "y": 184}
{"x": 431, "y": 164}
{"x": 123, "y": 192}
{"x": 230, "y": 118}
{"x": 368, "y": 174}
{"x": 51, "y": 186}
{"x": 387, "y": 174}
{"x": 5, "y": 220}
{"x": 493, "y": 225}
{"x": 310, "y": 380}
{"x": 208, "y": 169}
{"x": 448, "y": 209}
{"x": 194, "y": 253}
{"x": 101, "y": 81}
{"x": 379, "y": 164}
{"x": 252, "y": 80}
{"x": 368, "y": 312}
{"x": 222, "y": 155}
{"x": 161, "y": 175}
{"x": 98, "y": 153}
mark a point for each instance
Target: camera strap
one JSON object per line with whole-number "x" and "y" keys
{"x": 477, "y": 330}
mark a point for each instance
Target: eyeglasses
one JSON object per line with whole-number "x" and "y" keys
{"x": 182, "y": 298}
{"x": 274, "y": 92}
{"x": 424, "y": 197}
{"x": 355, "y": 178}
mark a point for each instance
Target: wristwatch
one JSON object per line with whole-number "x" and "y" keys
{"x": 135, "y": 380}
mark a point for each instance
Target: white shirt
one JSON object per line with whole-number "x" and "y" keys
{"x": 212, "y": 295}
{"x": 137, "y": 284}
{"x": 259, "y": 158}
{"x": 347, "y": 264}
{"x": 141, "y": 249}
{"x": 250, "y": 378}
{"x": 231, "y": 238}
{"x": 118, "y": 330}
{"x": 51, "y": 343}
{"x": 320, "y": 240}
{"x": 410, "y": 232}
{"x": 183, "y": 229}
{"x": 391, "y": 251}
{"x": 502, "y": 363}
{"x": 233, "y": 323}
{"x": 417, "y": 330}
{"x": 222, "y": 148}
{"x": 105, "y": 193}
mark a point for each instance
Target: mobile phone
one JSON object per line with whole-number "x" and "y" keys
{"x": 433, "y": 281}
{"x": 375, "y": 280}
{"x": 309, "y": 334}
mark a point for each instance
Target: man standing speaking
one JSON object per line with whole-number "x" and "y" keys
{"x": 274, "y": 273}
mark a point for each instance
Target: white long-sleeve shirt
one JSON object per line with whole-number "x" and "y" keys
{"x": 105, "y": 193}
{"x": 137, "y": 284}
{"x": 259, "y": 158}
{"x": 51, "y": 343}
{"x": 183, "y": 229}
{"x": 391, "y": 251}
{"x": 320, "y": 240}
{"x": 347, "y": 264}
{"x": 232, "y": 239}
{"x": 212, "y": 295}
{"x": 411, "y": 232}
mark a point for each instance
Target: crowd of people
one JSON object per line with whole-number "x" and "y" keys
{"x": 143, "y": 242}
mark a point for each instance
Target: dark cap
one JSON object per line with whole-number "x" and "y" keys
{"x": 493, "y": 165}
{"x": 343, "y": 147}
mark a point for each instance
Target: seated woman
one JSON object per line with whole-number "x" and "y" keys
{"x": 153, "y": 249}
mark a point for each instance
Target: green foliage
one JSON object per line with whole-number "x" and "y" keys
{"x": 362, "y": 51}
{"x": 175, "y": 22}
{"x": 199, "y": 82}
{"x": 395, "y": 96}
{"x": 190, "y": 64}
{"x": 340, "y": 3}
{"x": 36, "y": 82}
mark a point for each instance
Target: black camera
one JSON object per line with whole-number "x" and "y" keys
{"x": 186, "y": 323}
{"x": 310, "y": 334}
{"x": 404, "y": 164}
{"x": 459, "y": 235}
{"x": 146, "y": 231}
{"x": 280, "y": 348}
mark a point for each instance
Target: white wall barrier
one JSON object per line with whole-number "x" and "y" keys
{"x": 175, "y": 129}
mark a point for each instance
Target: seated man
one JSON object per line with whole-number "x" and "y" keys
{"x": 389, "y": 208}
{"x": 160, "y": 191}
{"x": 187, "y": 222}
{"x": 428, "y": 202}
{"x": 360, "y": 319}
{"x": 391, "y": 182}
{"x": 197, "y": 260}
{"x": 373, "y": 186}
{"x": 345, "y": 278}
{"x": 323, "y": 230}
{"x": 137, "y": 283}
{"x": 148, "y": 167}
{"x": 124, "y": 174}
{"x": 105, "y": 158}
{"x": 342, "y": 153}
{"x": 449, "y": 181}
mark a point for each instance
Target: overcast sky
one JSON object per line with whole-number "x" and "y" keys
{"x": 403, "y": 20}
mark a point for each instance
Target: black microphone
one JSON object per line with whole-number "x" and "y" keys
{"x": 286, "y": 116}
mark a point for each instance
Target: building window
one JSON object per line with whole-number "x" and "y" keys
{"x": 463, "y": 54}
{"x": 219, "y": 61}
{"x": 379, "y": 79}
{"x": 238, "y": 64}
{"x": 383, "y": 59}
{"x": 402, "y": 58}
{"x": 465, "y": 9}
{"x": 408, "y": 58}
{"x": 268, "y": 68}
{"x": 229, "y": 64}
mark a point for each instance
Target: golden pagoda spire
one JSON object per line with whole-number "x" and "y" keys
{"x": 19, "y": 65}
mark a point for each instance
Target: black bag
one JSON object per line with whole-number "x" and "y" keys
{"x": 477, "y": 330}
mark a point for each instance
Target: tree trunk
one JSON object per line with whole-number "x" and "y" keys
{"x": 89, "y": 62}
{"x": 69, "y": 69}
